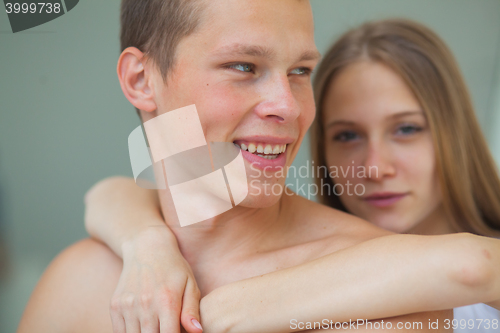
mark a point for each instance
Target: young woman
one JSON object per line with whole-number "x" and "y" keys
{"x": 402, "y": 106}
{"x": 390, "y": 99}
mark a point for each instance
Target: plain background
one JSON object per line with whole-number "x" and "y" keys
{"x": 64, "y": 122}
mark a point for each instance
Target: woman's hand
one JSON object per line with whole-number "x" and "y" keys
{"x": 157, "y": 290}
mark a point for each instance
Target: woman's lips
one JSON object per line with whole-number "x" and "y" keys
{"x": 385, "y": 199}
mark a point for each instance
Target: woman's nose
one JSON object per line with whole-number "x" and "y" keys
{"x": 278, "y": 101}
{"x": 378, "y": 162}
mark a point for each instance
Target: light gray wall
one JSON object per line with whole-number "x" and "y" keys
{"x": 63, "y": 126}
{"x": 64, "y": 122}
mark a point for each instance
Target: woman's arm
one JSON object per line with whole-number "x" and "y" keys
{"x": 110, "y": 219}
{"x": 441, "y": 272}
{"x": 365, "y": 281}
{"x": 127, "y": 219}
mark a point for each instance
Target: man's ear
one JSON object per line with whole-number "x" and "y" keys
{"x": 136, "y": 80}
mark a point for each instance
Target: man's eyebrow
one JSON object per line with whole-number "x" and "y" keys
{"x": 310, "y": 55}
{"x": 245, "y": 49}
{"x": 262, "y": 51}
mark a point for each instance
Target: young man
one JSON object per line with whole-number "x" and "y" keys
{"x": 246, "y": 66}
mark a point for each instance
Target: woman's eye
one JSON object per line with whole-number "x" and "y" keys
{"x": 246, "y": 68}
{"x": 408, "y": 129}
{"x": 301, "y": 71}
{"x": 346, "y": 136}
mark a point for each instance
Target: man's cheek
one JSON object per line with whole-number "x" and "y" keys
{"x": 308, "y": 118}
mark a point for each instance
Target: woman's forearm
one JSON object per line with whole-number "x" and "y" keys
{"x": 127, "y": 218}
{"x": 117, "y": 211}
{"x": 383, "y": 277}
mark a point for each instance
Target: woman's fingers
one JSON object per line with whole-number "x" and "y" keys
{"x": 128, "y": 315}
{"x": 132, "y": 325}
{"x": 129, "y": 310}
{"x": 149, "y": 324}
{"x": 169, "y": 308}
{"x": 148, "y": 315}
{"x": 153, "y": 288}
{"x": 118, "y": 322}
{"x": 117, "y": 319}
{"x": 190, "y": 314}
{"x": 169, "y": 324}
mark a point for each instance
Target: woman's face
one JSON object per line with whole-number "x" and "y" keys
{"x": 379, "y": 148}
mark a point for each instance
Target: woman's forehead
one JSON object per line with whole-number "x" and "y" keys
{"x": 369, "y": 88}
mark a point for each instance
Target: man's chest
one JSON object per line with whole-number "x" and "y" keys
{"x": 220, "y": 272}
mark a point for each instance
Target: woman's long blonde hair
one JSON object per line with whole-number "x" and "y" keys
{"x": 467, "y": 172}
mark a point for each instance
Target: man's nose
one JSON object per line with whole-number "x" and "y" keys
{"x": 278, "y": 101}
{"x": 378, "y": 161}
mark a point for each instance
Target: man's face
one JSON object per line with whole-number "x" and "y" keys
{"x": 247, "y": 69}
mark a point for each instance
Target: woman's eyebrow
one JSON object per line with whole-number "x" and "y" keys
{"x": 339, "y": 122}
{"x": 406, "y": 113}
{"x": 395, "y": 115}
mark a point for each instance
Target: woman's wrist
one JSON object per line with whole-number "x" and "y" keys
{"x": 232, "y": 308}
{"x": 153, "y": 237}
{"x": 214, "y": 318}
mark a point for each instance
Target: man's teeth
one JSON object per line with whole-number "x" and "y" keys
{"x": 263, "y": 150}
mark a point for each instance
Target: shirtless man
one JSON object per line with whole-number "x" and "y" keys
{"x": 246, "y": 65}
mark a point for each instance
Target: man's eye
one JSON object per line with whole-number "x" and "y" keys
{"x": 346, "y": 136}
{"x": 301, "y": 71}
{"x": 246, "y": 68}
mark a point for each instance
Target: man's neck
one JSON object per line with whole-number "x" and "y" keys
{"x": 235, "y": 234}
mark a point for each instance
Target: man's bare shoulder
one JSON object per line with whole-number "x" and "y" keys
{"x": 334, "y": 229}
{"x": 74, "y": 292}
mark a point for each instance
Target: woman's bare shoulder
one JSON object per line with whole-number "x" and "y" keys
{"x": 74, "y": 292}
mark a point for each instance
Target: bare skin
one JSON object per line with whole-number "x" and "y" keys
{"x": 445, "y": 272}
{"x": 262, "y": 235}
{"x": 374, "y": 131}
{"x": 373, "y": 120}
{"x": 76, "y": 288}
{"x": 394, "y": 134}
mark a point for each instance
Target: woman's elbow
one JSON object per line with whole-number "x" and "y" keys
{"x": 102, "y": 187}
{"x": 473, "y": 267}
{"x": 98, "y": 195}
